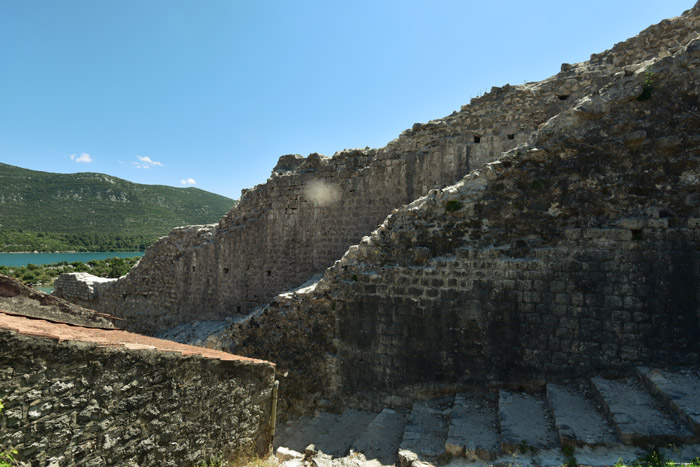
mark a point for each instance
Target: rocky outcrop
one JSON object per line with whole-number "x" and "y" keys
{"x": 312, "y": 209}
{"x": 573, "y": 254}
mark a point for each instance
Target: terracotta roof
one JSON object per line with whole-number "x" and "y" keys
{"x": 109, "y": 337}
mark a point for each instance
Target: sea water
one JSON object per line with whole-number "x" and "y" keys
{"x": 22, "y": 259}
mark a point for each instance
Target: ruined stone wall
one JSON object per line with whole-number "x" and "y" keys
{"x": 656, "y": 42}
{"x": 311, "y": 209}
{"x": 485, "y": 317}
{"x": 578, "y": 253}
{"x": 78, "y": 396}
{"x": 16, "y": 297}
{"x": 283, "y": 232}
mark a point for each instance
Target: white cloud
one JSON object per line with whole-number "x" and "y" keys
{"x": 146, "y": 162}
{"x": 188, "y": 181}
{"x": 84, "y": 157}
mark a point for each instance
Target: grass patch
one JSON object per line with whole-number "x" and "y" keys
{"x": 251, "y": 462}
{"x": 654, "y": 458}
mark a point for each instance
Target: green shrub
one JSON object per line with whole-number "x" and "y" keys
{"x": 7, "y": 456}
{"x": 648, "y": 87}
{"x": 537, "y": 185}
{"x": 453, "y": 205}
{"x": 655, "y": 458}
{"x": 29, "y": 277}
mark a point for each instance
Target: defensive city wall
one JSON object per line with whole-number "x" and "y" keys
{"x": 544, "y": 230}
{"x": 312, "y": 209}
{"x": 576, "y": 254}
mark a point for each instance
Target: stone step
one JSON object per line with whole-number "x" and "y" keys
{"x": 473, "y": 431}
{"x": 283, "y": 432}
{"x": 426, "y": 431}
{"x": 381, "y": 439}
{"x": 579, "y": 420}
{"x": 525, "y": 422}
{"x": 342, "y": 434}
{"x": 680, "y": 390}
{"x": 305, "y": 431}
{"x": 638, "y": 418}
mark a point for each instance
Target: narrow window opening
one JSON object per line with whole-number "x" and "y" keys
{"x": 192, "y": 268}
{"x": 477, "y": 139}
{"x": 269, "y": 273}
{"x": 225, "y": 270}
{"x": 563, "y": 97}
{"x": 636, "y": 234}
{"x": 511, "y": 136}
{"x": 238, "y": 309}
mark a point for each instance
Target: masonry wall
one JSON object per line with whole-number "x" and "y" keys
{"x": 602, "y": 300}
{"x": 312, "y": 209}
{"x": 80, "y": 403}
{"x": 574, "y": 255}
{"x": 602, "y": 303}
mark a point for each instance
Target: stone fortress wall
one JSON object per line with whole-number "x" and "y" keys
{"x": 570, "y": 246}
{"x": 83, "y": 396}
{"x": 312, "y": 209}
{"x": 573, "y": 255}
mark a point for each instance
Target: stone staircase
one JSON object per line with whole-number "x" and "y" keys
{"x": 598, "y": 421}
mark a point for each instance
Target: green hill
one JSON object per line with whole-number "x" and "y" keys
{"x": 89, "y": 211}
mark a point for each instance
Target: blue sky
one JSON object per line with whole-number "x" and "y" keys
{"x": 210, "y": 93}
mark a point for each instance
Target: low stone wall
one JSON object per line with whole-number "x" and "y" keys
{"x": 88, "y": 396}
{"x": 83, "y": 288}
{"x": 18, "y": 298}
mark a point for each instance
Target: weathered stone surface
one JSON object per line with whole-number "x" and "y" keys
{"x": 638, "y": 418}
{"x": 474, "y": 431}
{"x": 525, "y": 422}
{"x": 300, "y": 435}
{"x": 284, "y": 454}
{"x": 18, "y": 298}
{"x": 680, "y": 390}
{"x": 342, "y": 436}
{"x": 382, "y": 437}
{"x": 85, "y": 396}
{"x": 577, "y": 419}
{"x": 426, "y": 429}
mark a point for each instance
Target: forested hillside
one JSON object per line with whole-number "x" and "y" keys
{"x": 89, "y": 211}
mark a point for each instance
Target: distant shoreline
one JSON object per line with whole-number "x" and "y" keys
{"x": 64, "y": 252}
{"x": 17, "y": 259}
